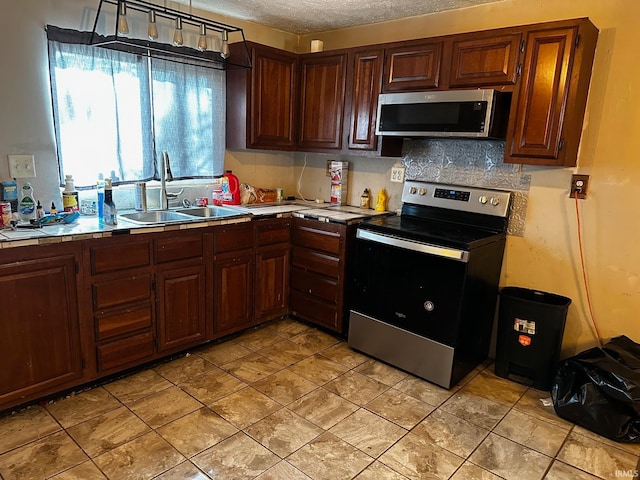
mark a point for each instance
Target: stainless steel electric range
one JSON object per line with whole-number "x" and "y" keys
{"x": 426, "y": 281}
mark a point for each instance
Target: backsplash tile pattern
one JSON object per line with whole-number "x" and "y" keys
{"x": 477, "y": 163}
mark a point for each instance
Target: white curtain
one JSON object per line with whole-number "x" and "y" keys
{"x": 115, "y": 112}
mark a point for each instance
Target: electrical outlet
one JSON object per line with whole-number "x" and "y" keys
{"x": 329, "y": 168}
{"x": 579, "y": 184}
{"x": 397, "y": 174}
{"x": 22, "y": 166}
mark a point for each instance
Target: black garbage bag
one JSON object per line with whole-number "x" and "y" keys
{"x": 599, "y": 389}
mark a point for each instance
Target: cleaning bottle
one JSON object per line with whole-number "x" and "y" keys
{"x": 27, "y": 206}
{"x": 381, "y": 201}
{"x": 70, "y": 201}
{"x": 110, "y": 213}
{"x": 231, "y": 189}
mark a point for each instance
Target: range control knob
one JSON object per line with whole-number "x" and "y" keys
{"x": 494, "y": 201}
{"x": 413, "y": 190}
{"x": 422, "y": 191}
{"x": 483, "y": 199}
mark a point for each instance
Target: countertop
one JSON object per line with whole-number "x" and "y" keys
{"x": 86, "y": 227}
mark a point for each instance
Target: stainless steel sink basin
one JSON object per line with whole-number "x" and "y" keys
{"x": 155, "y": 216}
{"x": 210, "y": 211}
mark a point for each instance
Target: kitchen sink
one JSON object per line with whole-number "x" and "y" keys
{"x": 210, "y": 211}
{"x": 155, "y": 216}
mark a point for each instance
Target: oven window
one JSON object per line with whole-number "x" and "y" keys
{"x": 417, "y": 292}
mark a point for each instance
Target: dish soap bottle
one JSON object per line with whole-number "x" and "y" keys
{"x": 110, "y": 214}
{"x": 27, "y": 207}
{"x": 365, "y": 199}
{"x": 381, "y": 201}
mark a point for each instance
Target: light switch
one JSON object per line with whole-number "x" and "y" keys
{"x": 22, "y": 166}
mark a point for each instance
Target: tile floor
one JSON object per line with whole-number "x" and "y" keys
{"x": 287, "y": 401}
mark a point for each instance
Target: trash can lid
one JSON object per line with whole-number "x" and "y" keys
{"x": 535, "y": 296}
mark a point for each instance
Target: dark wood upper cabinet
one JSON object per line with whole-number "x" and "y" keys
{"x": 484, "y": 59}
{"x": 548, "y": 109}
{"x": 322, "y": 96}
{"x": 365, "y": 84}
{"x": 412, "y": 67}
{"x": 261, "y": 102}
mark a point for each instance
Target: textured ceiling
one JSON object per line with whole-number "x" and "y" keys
{"x": 308, "y": 16}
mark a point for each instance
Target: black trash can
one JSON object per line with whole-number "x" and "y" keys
{"x": 530, "y": 328}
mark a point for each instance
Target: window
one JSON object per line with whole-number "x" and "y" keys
{"x": 116, "y": 112}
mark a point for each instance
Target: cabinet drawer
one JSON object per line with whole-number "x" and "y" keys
{"x": 314, "y": 310}
{"x": 121, "y": 291}
{"x": 315, "y": 261}
{"x": 112, "y": 255}
{"x": 126, "y": 351}
{"x": 233, "y": 237}
{"x": 313, "y": 284}
{"x": 117, "y": 323}
{"x": 318, "y": 236}
{"x": 271, "y": 233}
{"x": 179, "y": 247}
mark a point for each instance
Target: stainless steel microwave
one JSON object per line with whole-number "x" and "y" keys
{"x": 480, "y": 113}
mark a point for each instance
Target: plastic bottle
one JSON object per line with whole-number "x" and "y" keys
{"x": 27, "y": 206}
{"x": 110, "y": 213}
{"x": 231, "y": 189}
{"x": 53, "y": 210}
{"x": 365, "y": 199}
{"x": 100, "y": 190}
{"x": 381, "y": 201}
{"x": 39, "y": 210}
{"x": 70, "y": 201}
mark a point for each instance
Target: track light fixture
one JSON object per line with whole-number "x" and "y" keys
{"x": 174, "y": 47}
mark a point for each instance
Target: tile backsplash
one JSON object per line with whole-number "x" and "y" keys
{"x": 477, "y": 163}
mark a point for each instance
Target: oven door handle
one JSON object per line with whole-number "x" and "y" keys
{"x": 454, "y": 254}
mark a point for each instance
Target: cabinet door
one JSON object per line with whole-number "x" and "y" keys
{"x": 540, "y": 104}
{"x": 272, "y": 283}
{"x": 233, "y": 292}
{"x": 322, "y": 92}
{"x": 39, "y": 328}
{"x": 414, "y": 67}
{"x": 366, "y": 85}
{"x": 485, "y": 60}
{"x": 181, "y": 307}
{"x": 273, "y": 93}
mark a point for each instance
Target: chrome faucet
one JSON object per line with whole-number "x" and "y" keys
{"x": 165, "y": 176}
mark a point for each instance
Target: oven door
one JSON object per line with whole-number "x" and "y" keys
{"x": 410, "y": 285}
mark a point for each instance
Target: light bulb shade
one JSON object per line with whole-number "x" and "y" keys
{"x": 123, "y": 25}
{"x": 202, "y": 39}
{"x": 152, "y": 30}
{"x": 178, "y": 39}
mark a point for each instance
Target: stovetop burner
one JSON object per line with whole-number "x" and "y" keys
{"x": 448, "y": 215}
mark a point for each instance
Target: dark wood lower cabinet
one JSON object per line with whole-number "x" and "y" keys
{"x": 40, "y": 332}
{"x": 233, "y": 292}
{"x": 80, "y": 311}
{"x": 181, "y": 307}
{"x": 319, "y": 272}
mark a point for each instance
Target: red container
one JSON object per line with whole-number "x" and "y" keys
{"x": 231, "y": 189}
